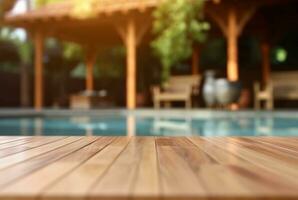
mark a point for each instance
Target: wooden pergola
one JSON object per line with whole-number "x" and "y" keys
{"x": 113, "y": 21}
{"x": 124, "y": 21}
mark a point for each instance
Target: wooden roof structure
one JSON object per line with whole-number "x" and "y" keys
{"x": 64, "y": 10}
{"x": 59, "y": 20}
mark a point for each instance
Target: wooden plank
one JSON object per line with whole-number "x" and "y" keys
{"x": 25, "y": 155}
{"x": 234, "y": 176}
{"x": 147, "y": 183}
{"x": 7, "y": 139}
{"x": 284, "y": 144}
{"x": 168, "y": 168}
{"x": 54, "y": 172}
{"x": 24, "y": 168}
{"x": 17, "y": 142}
{"x": 86, "y": 175}
{"x": 35, "y": 142}
{"x": 119, "y": 180}
{"x": 176, "y": 175}
{"x": 269, "y": 163}
{"x": 224, "y": 182}
{"x": 265, "y": 149}
{"x": 281, "y": 138}
{"x": 273, "y": 145}
{"x": 173, "y": 142}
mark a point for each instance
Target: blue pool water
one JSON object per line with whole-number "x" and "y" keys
{"x": 154, "y": 125}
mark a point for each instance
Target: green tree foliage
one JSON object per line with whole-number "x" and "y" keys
{"x": 109, "y": 64}
{"x": 178, "y": 24}
{"x": 24, "y": 49}
{"x": 7, "y": 34}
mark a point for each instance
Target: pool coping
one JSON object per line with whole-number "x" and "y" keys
{"x": 173, "y": 113}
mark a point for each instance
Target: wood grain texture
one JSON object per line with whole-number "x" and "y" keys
{"x": 25, "y": 155}
{"x": 87, "y": 174}
{"x": 8, "y": 139}
{"x": 234, "y": 175}
{"x": 32, "y": 143}
{"x": 18, "y": 142}
{"x": 257, "y": 157}
{"x": 148, "y": 168}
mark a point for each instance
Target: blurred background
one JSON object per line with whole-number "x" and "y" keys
{"x": 257, "y": 38}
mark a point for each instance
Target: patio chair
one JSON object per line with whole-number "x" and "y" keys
{"x": 265, "y": 95}
{"x": 283, "y": 85}
{"x": 178, "y": 88}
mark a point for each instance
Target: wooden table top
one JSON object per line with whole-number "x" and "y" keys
{"x": 148, "y": 168}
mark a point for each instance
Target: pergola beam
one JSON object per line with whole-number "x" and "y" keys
{"x": 247, "y": 15}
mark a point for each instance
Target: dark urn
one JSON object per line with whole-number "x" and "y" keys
{"x": 227, "y": 92}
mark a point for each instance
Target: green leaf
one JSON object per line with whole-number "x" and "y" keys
{"x": 178, "y": 25}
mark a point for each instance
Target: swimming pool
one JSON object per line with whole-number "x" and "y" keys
{"x": 152, "y": 123}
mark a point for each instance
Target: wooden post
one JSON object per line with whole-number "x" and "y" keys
{"x": 195, "y": 61}
{"x": 131, "y": 65}
{"x": 24, "y": 86}
{"x": 24, "y": 74}
{"x": 38, "y": 84}
{"x": 232, "y": 19}
{"x": 132, "y": 37}
{"x": 90, "y": 61}
{"x": 232, "y": 46}
{"x": 265, "y": 63}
